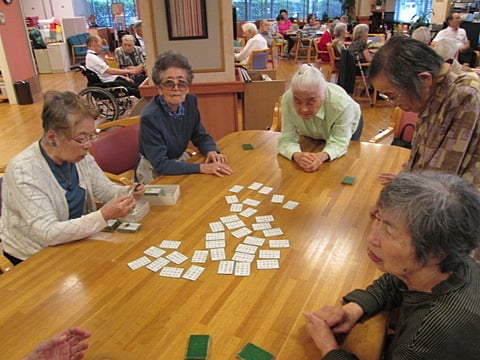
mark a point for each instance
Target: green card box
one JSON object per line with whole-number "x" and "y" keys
{"x": 160, "y": 195}
{"x": 198, "y": 346}
{"x": 253, "y": 352}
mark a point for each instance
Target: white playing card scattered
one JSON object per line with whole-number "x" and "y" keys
{"x": 229, "y": 218}
{"x": 279, "y": 243}
{"x": 265, "y": 190}
{"x": 212, "y": 244}
{"x": 193, "y": 272}
{"x": 290, "y": 205}
{"x": 264, "y": 218}
{"x": 170, "y": 244}
{"x": 236, "y": 207}
{"x": 200, "y": 256}
{"x": 217, "y": 254}
{"x": 269, "y": 254}
{"x": 255, "y": 186}
{"x": 248, "y": 249}
{"x": 261, "y": 226}
{"x": 235, "y": 225}
{"x": 248, "y": 212}
{"x": 215, "y": 236}
{"x": 242, "y": 232}
{"x": 242, "y": 269}
{"x": 154, "y": 252}
{"x": 231, "y": 199}
{"x": 172, "y": 272}
{"x": 267, "y": 264}
{"x": 277, "y": 198}
{"x": 216, "y": 226}
{"x": 252, "y": 240}
{"x": 138, "y": 263}
{"x": 243, "y": 257}
{"x": 157, "y": 264}
{"x": 176, "y": 257}
{"x": 272, "y": 232}
{"x": 236, "y": 188}
{"x": 251, "y": 202}
{"x": 225, "y": 267}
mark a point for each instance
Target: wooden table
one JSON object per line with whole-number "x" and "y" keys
{"x": 140, "y": 315}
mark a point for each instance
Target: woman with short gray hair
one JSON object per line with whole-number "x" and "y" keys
{"x": 359, "y": 44}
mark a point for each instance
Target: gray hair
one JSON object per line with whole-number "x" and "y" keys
{"x": 168, "y": 60}
{"x": 446, "y": 48}
{"x": 308, "y": 77}
{"x": 128, "y": 37}
{"x": 251, "y": 27}
{"x": 359, "y": 30}
{"x": 442, "y": 213}
{"x": 422, "y": 34}
{"x": 137, "y": 25}
{"x": 339, "y": 28}
{"x": 401, "y": 59}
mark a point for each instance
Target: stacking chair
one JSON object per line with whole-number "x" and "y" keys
{"x": 306, "y": 49}
{"x": 334, "y": 60}
{"x": 277, "y": 116}
{"x": 402, "y": 124}
{"x": 117, "y": 149}
{"x": 258, "y": 60}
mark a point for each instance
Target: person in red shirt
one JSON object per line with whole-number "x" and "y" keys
{"x": 324, "y": 40}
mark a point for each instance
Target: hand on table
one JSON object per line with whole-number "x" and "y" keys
{"x": 67, "y": 345}
{"x": 310, "y": 162}
{"x": 213, "y": 156}
{"x": 216, "y": 168}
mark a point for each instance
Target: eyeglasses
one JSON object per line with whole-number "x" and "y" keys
{"x": 392, "y": 98}
{"x": 88, "y": 140}
{"x": 170, "y": 85}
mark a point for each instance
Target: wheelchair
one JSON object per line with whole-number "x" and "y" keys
{"x": 109, "y": 98}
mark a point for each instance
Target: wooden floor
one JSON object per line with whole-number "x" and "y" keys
{"x": 21, "y": 124}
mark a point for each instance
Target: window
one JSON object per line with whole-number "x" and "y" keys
{"x": 103, "y": 11}
{"x": 406, "y": 10}
{"x": 251, "y": 10}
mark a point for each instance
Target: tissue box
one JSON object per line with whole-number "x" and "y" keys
{"x": 162, "y": 194}
{"x": 141, "y": 209}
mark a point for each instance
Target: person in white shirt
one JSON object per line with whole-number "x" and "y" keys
{"x": 456, "y": 33}
{"x": 255, "y": 41}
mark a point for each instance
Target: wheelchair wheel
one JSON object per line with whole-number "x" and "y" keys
{"x": 103, "y": 101}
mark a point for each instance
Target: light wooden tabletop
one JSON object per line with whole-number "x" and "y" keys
{"x": 141, "y": 315}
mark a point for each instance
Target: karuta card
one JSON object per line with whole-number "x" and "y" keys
{"x": 248, "y": 212}
{"x": 255, "y": 186}
{"x": 154, "y": 251}
{"x": 265, "y": 190}
{"x": 267, "y": 264}
{"x": 200, "y": 256}
{"x": 198, "y": 346}
{"x": 170, "y": 244}
{"x": 253, "y": 352}
{"x": 290, "y": 205}
{"x": 264, "y": 218}
{"x": 236, "y": 207}
{"x": 176, "y": 257}
{"x": 242, "y": 257}
{"x": 216, "y": 226}
{"x": 245, "y": 248}
{"x": 349, "y": 180}
{"x": 193, "y": 273}
{"x": 236, "y": 188}
{"x": 215, "y": 236}
{"x": 172, "y": 272}
{"x": 231, "y": 199}
{"x": 272, "y": 232}
{"x": 235, "y": 225}
{"x": 229, "y": 218}
{"x": 217, "y": 254}
{"x": 253, "y": 240}
{"x": 269, "y": 254}
{"x": 157, "y": 264}
{"x": 226, "y": 267}
{"x": 251, "y": 202}
{"x": 241, "y": 232}
{"x": 278, "y": 198}
{"x": 279, "y": 243}
{"x": 138, "y": 263}
{"x": 212, "y": 244}
{"x": 261, "y": 226}
{"x": 242, "y": 269}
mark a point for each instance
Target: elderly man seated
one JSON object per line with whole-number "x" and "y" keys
{"x": 255, "y": 41}
{"x": 129, "y": 56}
{"x": 95, "y": 62}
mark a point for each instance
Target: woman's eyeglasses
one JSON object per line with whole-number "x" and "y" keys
{"x": 88, "y": 140}
{"x": 392, "y": 98}
{"x": 170, "y": 84}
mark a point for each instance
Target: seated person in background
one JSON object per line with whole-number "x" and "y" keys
{"x": 456, "y": 33}
{"x": 68, "y": 345}
{"x": 311, "y": 27}
{"x": 340, "y": 33}
{"x": 321, "y": 110}
{"x": 255, "y": 41}
{"x": 425, "y": 225}
{"x": 447, "y": 98}
{"x": 447, "y": 49}
{"x": 359, "y": 44}
{"x": 137, "y": 28}
{"x": 129, "y": 56}
{"x": 422, "y": 34}
{"x": 170, "y": 120}
{"x": 53, "y": 185}
{"x": 271, "y": 35}
{"x": 284, "y": 25}
{"x": 325, "y": 39}
{"x": 106, "y": 74}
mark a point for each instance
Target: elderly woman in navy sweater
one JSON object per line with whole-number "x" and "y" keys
{"x": 170, "y": 121}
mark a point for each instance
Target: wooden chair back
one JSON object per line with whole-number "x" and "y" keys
{"x": 258, "y": 60}
{"x": 277, "y": 116}
{"x": 398, "y": 120}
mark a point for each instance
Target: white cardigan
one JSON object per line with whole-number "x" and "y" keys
{"x": 34, "y": 207}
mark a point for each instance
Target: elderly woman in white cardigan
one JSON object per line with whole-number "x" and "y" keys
{"x": 50, "y": 188}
